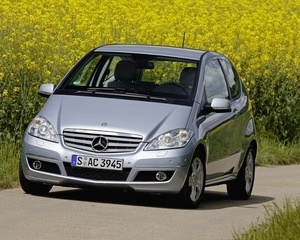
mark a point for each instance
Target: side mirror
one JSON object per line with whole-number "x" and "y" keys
{"x": 221, "y": 105}
{"x": 218, "y": 105}
{"x": 46, "y": 89}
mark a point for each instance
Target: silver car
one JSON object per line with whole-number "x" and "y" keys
{"x": 154, "y": 119}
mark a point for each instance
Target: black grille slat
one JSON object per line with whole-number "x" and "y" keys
{"x": 97, "y": 174}
{"x": 117, "y": 142}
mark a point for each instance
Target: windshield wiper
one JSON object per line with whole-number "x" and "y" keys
{"x": 126, "y": 92}
{"x": 106, "y": 89}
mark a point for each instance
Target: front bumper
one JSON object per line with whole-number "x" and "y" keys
{"x": 139, "y": 169}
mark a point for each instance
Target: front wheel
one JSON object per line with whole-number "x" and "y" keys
{"x": 30, "y": 187}
{"x": 193, "y": 189}
{"x": 241, "y": 188}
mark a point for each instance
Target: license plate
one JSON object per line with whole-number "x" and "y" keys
{"x": 97, "y": 162}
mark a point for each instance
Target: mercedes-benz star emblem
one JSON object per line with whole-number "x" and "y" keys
{"x": 99, "y": 144}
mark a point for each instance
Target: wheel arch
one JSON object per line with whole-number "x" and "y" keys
{"x": 201, "y": 152}
{"x": 254, "y": 145}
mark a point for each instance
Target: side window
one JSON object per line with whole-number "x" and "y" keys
{"x": 232, "y": 77}
{"x": 215, "y": 83}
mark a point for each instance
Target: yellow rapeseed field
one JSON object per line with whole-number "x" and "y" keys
{"x": 41, "y": 40}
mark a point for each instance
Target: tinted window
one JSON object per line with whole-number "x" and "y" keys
{"x": 232, "y": 77}
{"x": 215, "y": 83}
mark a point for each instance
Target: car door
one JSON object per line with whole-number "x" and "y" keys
{"x": 222, "y": 144}
{"x": 239, "y": 105}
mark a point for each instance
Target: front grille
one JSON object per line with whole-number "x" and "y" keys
{"x": 97, "y": 174}
{"x": 116, "y": 142}
{"x": 45, "y": 166}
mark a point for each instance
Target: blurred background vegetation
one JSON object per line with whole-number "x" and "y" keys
{"x": 41, "y": 40}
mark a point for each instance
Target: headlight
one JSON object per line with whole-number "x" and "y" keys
{"x": 40, "y": 127}
{"x": 174, "y": 139}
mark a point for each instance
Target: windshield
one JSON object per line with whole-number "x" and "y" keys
{"x": 153, "y": 76}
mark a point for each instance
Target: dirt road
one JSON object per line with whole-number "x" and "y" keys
{"x": 73, "y": 214}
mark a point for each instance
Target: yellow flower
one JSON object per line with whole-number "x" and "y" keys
{"x": 16, "y": 89}
{"x": 5, "y": 93}
{"x": 1, "y": 76}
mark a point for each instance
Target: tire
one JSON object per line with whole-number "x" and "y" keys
{"x": 30, "y": 187}
{"x": 241, "y": 187}
{"x": 193, "y": 189}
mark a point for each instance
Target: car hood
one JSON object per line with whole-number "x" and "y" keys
{"x": 145, "y": 118}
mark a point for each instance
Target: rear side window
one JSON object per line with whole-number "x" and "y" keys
{"x": 233, "y": 79}
{"x": 215, "y": 83}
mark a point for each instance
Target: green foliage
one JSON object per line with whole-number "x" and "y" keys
{"x": 273, "y": 152}
{"x": 19, "y": 104}
{"x": 277, "y": 108}
{"x": 281, "y": 223}
{"x": 9, "y": 159}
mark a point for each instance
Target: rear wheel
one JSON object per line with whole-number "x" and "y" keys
{"x": 193, "y": 189}
{"x": 32, "y": 187}
{"x": 241, "y": 188}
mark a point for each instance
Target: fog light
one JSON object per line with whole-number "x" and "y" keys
{"x": 37, "y": 165}
{"x": 161, "y": 176}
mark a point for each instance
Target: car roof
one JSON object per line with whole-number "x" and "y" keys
{"x": 156, "y": 50}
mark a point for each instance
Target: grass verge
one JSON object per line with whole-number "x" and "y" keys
{"x": 281, "y": 222}
{"x": 9, "y": 159}
{"x": 273, "y": 152}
